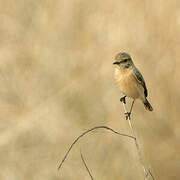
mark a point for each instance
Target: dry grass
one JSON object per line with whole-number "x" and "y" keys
{"x": 56, "y": 79}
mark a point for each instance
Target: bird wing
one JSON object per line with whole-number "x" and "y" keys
{"x": 140, "y": 79}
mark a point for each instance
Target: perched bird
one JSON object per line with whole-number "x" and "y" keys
{"x": 129, "y": 79}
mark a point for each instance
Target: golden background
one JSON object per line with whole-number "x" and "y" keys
{"x": 56, "y": 80}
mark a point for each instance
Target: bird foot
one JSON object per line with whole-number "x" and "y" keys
{"x": 127, "y": 115}
{"x": 123, "y": 99}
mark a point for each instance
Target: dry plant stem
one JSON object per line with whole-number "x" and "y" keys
{"x": 135, "y": 139}
{"x": 86, "y": 132}
{"x": 84, "y": 162}
{"x": 151, "y": 175}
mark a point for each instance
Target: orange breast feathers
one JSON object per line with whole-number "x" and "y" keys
{"x": 128, "y": 84}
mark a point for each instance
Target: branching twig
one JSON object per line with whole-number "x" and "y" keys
{"x": 86, "y": 132}
{"x": 146, "y": 172}
{"x": 86, "y": 165}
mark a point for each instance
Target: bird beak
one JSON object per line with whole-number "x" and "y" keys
{"x": 116, "y": 62}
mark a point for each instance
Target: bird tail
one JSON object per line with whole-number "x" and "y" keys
{"x": 147, "y": 105}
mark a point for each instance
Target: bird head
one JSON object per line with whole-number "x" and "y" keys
{"x": 123, "y": 60}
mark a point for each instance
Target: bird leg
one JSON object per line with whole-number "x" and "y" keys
{"x": 127, "y": 114}
{"x": 123, "y": 99}
{"x": 132, "y": 106}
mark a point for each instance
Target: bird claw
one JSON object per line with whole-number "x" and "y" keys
{"x": 128, "y": 115}
{"x": 123, "y": 99}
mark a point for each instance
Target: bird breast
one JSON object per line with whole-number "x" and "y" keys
{"x": 127, "y": 83}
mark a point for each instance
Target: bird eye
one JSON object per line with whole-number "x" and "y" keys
{"x": 126, "y": 60}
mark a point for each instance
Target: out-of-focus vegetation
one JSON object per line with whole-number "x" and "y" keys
{"x": 56, "y": 80}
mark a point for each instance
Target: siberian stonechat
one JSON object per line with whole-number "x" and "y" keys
{"x": 129, "y": 80}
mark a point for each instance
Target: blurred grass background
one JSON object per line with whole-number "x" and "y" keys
{"x": 56, "y": 80}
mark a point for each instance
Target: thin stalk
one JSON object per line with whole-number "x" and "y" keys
{"x": 135, "y": 139}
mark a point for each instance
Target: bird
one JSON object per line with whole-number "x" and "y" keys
{"x": 129, "y": 80}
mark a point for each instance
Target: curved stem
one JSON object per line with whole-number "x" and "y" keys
{"x": 86, "y": 132}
